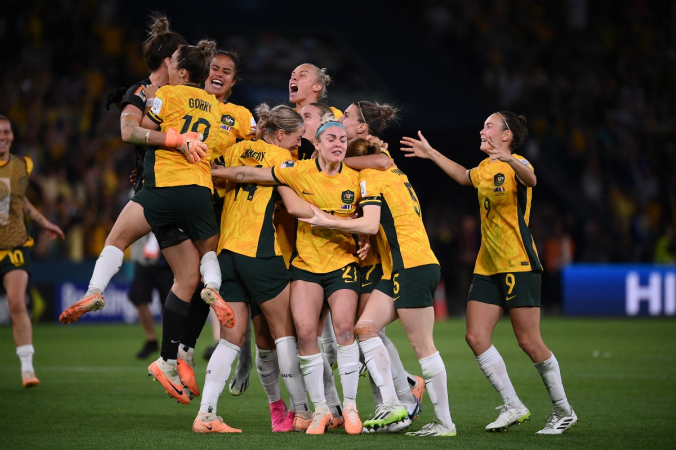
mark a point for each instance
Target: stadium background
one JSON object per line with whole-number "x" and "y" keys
{"x": 596, "y": 81}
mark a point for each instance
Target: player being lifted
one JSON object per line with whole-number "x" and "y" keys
{"x": 507, "y": 274}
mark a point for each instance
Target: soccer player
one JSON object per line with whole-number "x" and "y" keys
{"x": 308, "y": 85}
{"x": 15, "y": 261}
{"x": 410, "y": 276}
{"x": 507, "y": 274}
{"x": 323, "y": 266}
{"x": 175, "y": 201}
{"x": 254, "y": 270}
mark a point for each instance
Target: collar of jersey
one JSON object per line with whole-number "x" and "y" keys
{"x": 320, "y": 169}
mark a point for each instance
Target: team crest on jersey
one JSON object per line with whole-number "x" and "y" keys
{"x": 228, "y": 120}
{"x": 348, "y": 197}
{"x": 499, "y": 179}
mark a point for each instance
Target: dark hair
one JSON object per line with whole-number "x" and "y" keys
{"x": 234, "y": 57}
{"x": 517, "y": 125}
{"x": 375, "y": 116}
{"x": 361, "y": 147}
{"x": 196, "y": 59}
{"x": 4, "y": 118}
{"x": 161, "y": 42}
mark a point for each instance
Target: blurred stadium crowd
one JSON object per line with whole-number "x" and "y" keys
{"x": 597, "y": 81}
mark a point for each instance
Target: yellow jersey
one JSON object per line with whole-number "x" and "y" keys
{"x": 184, "y": 108}
{"x": 14, "y": 175}
{"x": 237, "y": 122}
{"x": 402, "y": 239}
{"x": 247, "y": 221}
{"x": 506, "y": 242}
{"x": 322, "y": 251}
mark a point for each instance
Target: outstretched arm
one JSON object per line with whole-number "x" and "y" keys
{"x": 52, "y": 230}
{"x": 246, "y": 174}
{"x": 422, "y": 149}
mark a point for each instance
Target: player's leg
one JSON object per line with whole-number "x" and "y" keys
{"x": 328, "y": 341}
{"x": 484, "y": 309}
{"x": 183, "y": 259}
{"x": 400, "y": 377}
{"x": 130, "y": 226}
{"x": 211, "y": 276}
{"x": 330, "y": 391}
{"x": 307, "y": 298}
{"x": 379, "y": 312}
{"x": 343, "y": 304}
{"x": 526, "y": 324}
{"x": 218, "y": 370}
{"x": 15, "y": 283}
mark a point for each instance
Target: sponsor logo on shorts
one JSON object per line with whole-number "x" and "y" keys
{"x": 509, "y": 298}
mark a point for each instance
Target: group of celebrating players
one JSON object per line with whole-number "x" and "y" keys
{"x": 302, "y": 221}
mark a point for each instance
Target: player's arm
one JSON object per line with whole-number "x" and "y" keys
{"x": 246, "y": 174}
{"x": 379, "y": 161}
{"x": 422, "y": 149}
{"x": 367, "y": 224}
{"x": 295, "y": 205}
{"x": 52, "y": 230}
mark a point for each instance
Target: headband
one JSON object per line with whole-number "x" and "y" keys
{"x": 503, "y": 118}
{"x": 329, "y": 125}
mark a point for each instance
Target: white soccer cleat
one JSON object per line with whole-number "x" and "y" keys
{"x": 509, "y": 416}
{"x": 434, "y": 429}
{"x": 557, "y": 424}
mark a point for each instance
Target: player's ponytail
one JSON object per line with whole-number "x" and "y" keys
{"x": 376, "y": 116}
{"x": 161, "y": 42}
{"x": 361, "y": 147}
{"x": 196, "y": 60}
{"x": 321, "y": 77}
{"x": 278, "y": 118}
{"x": 517, "y": 125}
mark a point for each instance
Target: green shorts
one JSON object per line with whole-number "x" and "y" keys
{"x": 412, "y": 288}
{"x": 246, "y": 278}
{"x": 347, "y": 277}
{"x": 370, "y": 277}
{"x": 188, "y": 208}
{"x": 18, "y": 258}
{"x": 507, "y": 290}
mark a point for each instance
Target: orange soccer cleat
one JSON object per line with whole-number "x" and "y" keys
{"x": 208, "y": 423}
{"x": 418, "y": 389}
{"x": 224, "y": 313}
{"x": 320, "y": 423}
{"x": 187, "y": 376}
{"x": 29, "y": 379}
{"x": 91, "y": 302}
{"x": 167, "y": 375}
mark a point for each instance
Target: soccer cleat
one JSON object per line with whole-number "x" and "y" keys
{"x": 418, "y": 389}
{"x": 240, "y": 380}
{"x": 338, "y": 423}
{"x": 278, "y": 413}
{"x": 557, "y": 424}
{"x": 224, "y": 313}
{"x": 417, "y": 411}
{"x": 148, "y": 349}
{"x": 363, "y": 370}
{"x": 91, "y": 302}
{"x": 29, "y": 379}
{"x": 186, "y": 373}
{"x": 211, "y": 424}
{"x": 508, "y": 417}
{"x": 387, "y": 414}
{"x": 320, "y": 423}
{"x": 167, "y": 375}
{"x": 287, "y": 424}
{"x": 352, "y": 421}
{"x": 434, "y": 429}
{"x": 301, "y": 420}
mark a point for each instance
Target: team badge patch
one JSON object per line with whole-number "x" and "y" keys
{"x": 140, "y": 93}
{"x": 288, "y": 163}
{"x": 228, "y": 120}
{"x": 348, "y": 197}
{"x": 499, "y": 179}
{"x": 157, "y": 106}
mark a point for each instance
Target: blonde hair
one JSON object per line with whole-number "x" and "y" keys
{"x": 280, "y": 117}
{"x": 323, "y": 78}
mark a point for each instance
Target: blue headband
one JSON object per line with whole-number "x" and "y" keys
{"x": 329, "y": 125}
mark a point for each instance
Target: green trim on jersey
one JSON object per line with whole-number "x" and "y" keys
{"x": 387, "y": 222}
{"x": 149, "y": 167}
{"x": 266, "y": 243}
{"x": 522, "y": 201}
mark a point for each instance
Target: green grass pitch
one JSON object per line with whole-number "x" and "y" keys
{"x": 619, "y": 375}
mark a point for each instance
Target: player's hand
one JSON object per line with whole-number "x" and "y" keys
{"x": 379, "y": 142}
{"x": 318, "y": 220}
{"x": 417, "y": 148}
{"x": 115, "y": 97}
{"x": 53, "y": 231}
{"x": 133, "y": 176}
{"x": 189, "y": 144}
{"x": 364, "y": 246}
{"x": 498, "y": 152}
{"x": 149, "y": 91}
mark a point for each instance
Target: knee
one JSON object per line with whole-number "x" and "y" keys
{"x": 365, "y": 330}
{"x": 344, "y": 333}
{"x": 528, "y": 344}
{"x": 188, "y": 278}
{"x": 473, "y": 339}
{"x": 17, "y": 306}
